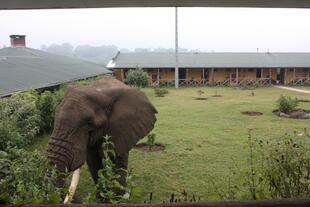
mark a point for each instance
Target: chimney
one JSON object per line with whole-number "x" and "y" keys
{"x": 18, "y": 40}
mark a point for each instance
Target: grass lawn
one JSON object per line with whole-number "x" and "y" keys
{"x": 202, "y": 137}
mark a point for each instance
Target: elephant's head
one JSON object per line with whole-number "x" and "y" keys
{"x": 89, "y": 112}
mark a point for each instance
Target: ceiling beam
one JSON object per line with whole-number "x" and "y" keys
{"x": 66, "y": 4}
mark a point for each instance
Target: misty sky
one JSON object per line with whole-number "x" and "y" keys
{"x": 206, "y": 29}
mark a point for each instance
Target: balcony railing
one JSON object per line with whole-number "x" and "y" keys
{"x": 300, "y": 81}
{"x": 205, "y": 82}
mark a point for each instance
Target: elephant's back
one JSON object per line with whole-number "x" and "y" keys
{"x": 108, "y": 82}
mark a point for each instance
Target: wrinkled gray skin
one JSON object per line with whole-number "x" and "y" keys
{"x": 87, "y": 113}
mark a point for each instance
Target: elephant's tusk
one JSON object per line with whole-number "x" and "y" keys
{"x": 73, "y": 186}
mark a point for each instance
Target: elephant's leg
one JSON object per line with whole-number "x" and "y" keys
{"x": 121, "y": 165}
{"x": 94, "y": 162}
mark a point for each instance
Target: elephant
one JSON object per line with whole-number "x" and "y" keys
{"x": 87, "y": 113}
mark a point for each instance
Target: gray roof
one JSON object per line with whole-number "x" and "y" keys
{"x": 22, "y": 68}
{"x": 52, "y": 4}
{"x": 211, "y": 60}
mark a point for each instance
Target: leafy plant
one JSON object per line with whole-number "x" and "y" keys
{"x": 22, "y": 118}
{"x": 200, "y": 92}
{"x": 46, "y": 104}
{"x": 286, "y": 104}
{"x": 160, "y": 92}
{"x": 276, "y": 169}
{"x": 108, "y": 186}
{"x": 137, "y": 78}
{"x": 26, "y": 178}
{"x": 151, "y": 140}
{"x": 286, "y": 166}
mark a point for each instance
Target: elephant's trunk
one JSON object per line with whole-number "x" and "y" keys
{"x": 60, "y": 155}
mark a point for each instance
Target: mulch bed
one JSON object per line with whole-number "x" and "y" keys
{"x": 201, "y": 98}
{"x": 252, "y": 113}
{"x": 296, "y": 114}
{"x": 146, "y": 148}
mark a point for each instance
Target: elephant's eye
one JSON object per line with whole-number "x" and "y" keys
{"x": 90, "y": 125}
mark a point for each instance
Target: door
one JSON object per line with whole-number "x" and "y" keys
{"x": 182, "y": 73}
{"x": 280, "y": 75}
{"x": 258, "y": 73}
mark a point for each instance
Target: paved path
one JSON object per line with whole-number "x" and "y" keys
{"x": 293, "y": 89}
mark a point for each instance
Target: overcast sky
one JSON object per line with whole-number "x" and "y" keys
{"x": 206, "y": 29}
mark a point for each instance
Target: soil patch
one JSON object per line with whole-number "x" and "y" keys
{"x": 201, "y": 98}
{"x": 146, "y": 148}
{"x": 295, "y": 114}
{"x": 252, "y": 113}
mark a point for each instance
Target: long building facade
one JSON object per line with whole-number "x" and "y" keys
{"x": 202, "y": 69}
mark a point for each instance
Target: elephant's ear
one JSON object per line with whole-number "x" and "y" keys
{"x": 132, "y": 117}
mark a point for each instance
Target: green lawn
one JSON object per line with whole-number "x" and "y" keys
{"x": 202, "y": 138}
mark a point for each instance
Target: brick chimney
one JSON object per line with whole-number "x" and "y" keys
{"x": 18, "y": 40}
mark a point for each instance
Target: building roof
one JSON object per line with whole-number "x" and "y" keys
{"x": 52, "y": 4}
{"x": 22, "y": 68}
{"x": 210, "y": 60}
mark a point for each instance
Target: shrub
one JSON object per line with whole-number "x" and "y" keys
{"x": 26, "y": 179}
{"x": 287, "y": 104}
{"x": 9, "y": 136}
{"x": 276, "y": 169}
{"x": 22, "y": 117}
{"x": 286, "y": 166}
{"x": 46, "y": 104}
{"x": 137, "y": 78}
{"x": 160, "y": 92}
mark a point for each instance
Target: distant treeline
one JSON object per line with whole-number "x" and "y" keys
{"x": 99, "y": 54}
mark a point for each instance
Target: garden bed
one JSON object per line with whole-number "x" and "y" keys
{"x": 294, "y": 114}
{"x": 147, "y": 148}
{"x": 252, "y": 113}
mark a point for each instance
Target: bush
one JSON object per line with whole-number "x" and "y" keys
{"x": 46, "y": 104}
{"x": 160, "y": 92}
{"x": 21, "y": 117}
{"x": 286, "y": 166}
{"x": 137, "y": 78}
{"x": 276, "y": 169}
{"x": 9, "y": 136}
{"x": 26, "y": 179}
{"x": 287, "y": 104}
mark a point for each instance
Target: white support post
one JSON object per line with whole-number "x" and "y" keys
{"x": 176, "y": 70}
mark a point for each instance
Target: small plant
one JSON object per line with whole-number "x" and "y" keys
{"x": 108, "y": 187}
{"x": 252, "y": 93}
{"x": 216, "y": 94}
{"x": 200, "y": 95}
{"x": 286, "y": 104}
{"x": 151, "y": 140}
{"x": 200, "y": 92}
{"x": 137, "y": 78}
{"x": 160, "y": 92}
